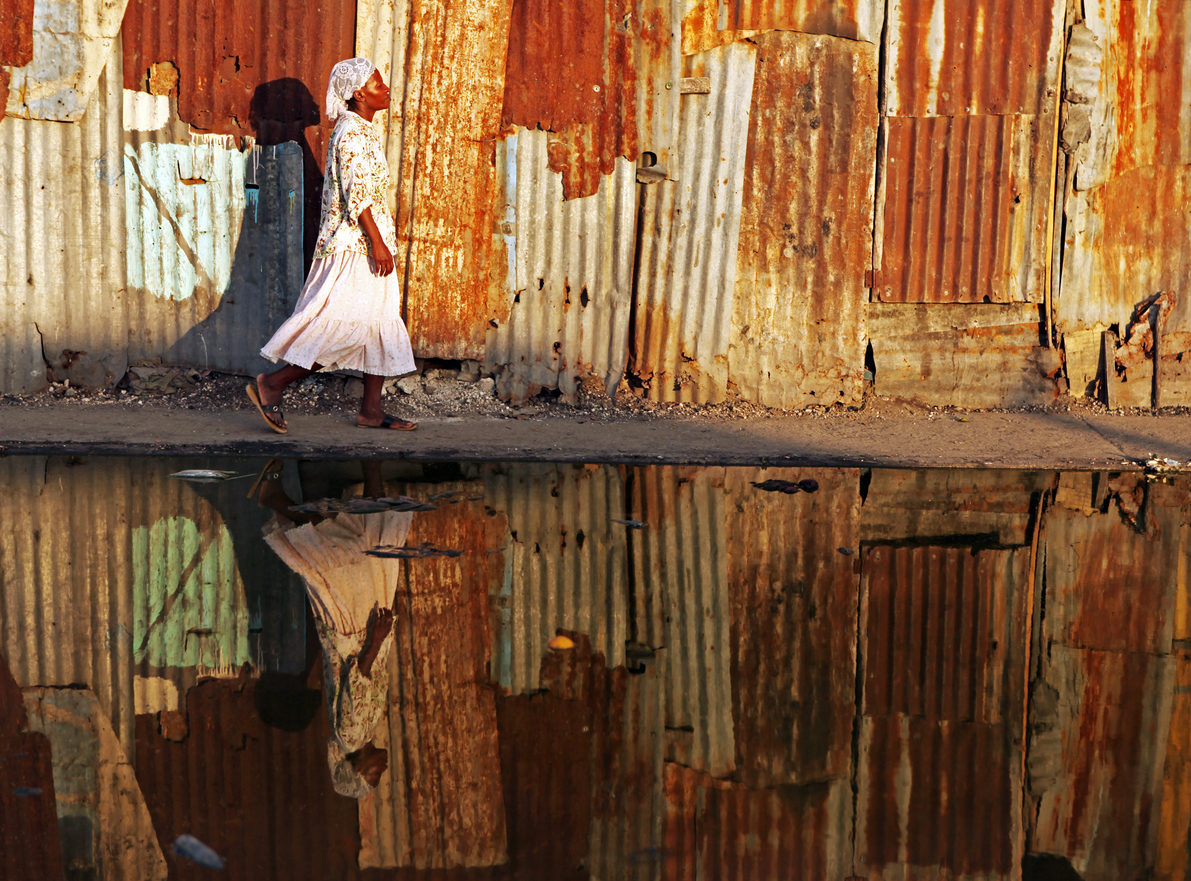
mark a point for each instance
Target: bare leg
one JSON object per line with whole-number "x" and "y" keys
{"x": 272, "y": 385}
{"x": 371, "y": 411}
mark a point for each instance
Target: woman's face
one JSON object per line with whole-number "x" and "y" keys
{"x": 373, "y": 95}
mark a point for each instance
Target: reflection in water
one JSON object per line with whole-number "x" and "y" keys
{"x": 896, "y": 675}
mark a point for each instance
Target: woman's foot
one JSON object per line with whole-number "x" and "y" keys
{"x": 267, "y": 403}
{"x": 387, "y": 421}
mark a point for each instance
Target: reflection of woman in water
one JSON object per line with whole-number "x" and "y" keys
{"x": 349, "y": 314}
{"x": 351, "y": 595}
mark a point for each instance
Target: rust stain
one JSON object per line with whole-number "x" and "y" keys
{"x": 989, "y": 58}
{"x": 701, "y": 32}
{"x": 447, "y": 180}
{"x": 837, "y": 18}
{"x": 574, "y": 69}
{"x": 16, "y": 33}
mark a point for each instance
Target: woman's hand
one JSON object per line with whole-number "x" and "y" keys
{"x": 382, "y": 258}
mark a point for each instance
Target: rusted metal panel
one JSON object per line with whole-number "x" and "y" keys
{"x": 798, "y": 310}
{"x": 62, "y": 314}
{"x": 70, "y": 42}
{"x": 701, "y": 31}
{"x": 938, "y": 800}
{"x": 602, "y": 77}
{"x": 944, "y": 633}
{"x": 254, "y": 788}
{"x": 975, "y": 356}
{"x": 569, "y": 287}
{"x": 243, "y": 68}
{"x": 793, "y": 598}
{"x": 16, "y": 40}
{"x": 566, "y": 565}
{"x": 690, "y": 234}
{"x": 720, "y": 829}
{"x": 851, "y": 19}
{"x": 214, "y": 246}
{"x": 1173, "y": 857}
{"x": 986, "y": 504}
{"x": 1096, "y": 762}
{"x": 95, "y": 788}
{"x": 680, "y": 561}
{"x": 981, "y": 57}
{"x": 1111, "y": 577}
{"x": 442, "y": 137}
{"x": 440, "y": 806}
{"x": 965, "y": 207}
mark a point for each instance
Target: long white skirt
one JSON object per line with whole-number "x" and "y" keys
{"x": 348, "y": 318}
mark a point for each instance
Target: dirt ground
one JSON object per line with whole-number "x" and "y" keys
{"x": 159, "y": 410}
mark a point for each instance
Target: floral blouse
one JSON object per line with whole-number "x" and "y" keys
{"x": 357, "y": 177}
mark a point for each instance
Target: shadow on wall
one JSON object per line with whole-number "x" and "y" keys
{"x": 283, "y": 187}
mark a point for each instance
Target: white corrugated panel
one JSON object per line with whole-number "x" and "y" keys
{"x": 691, "y": 227}
{"x": 72, "y": 41}
{"x": 61, "y": 245}
{"x": 570, "y": 273}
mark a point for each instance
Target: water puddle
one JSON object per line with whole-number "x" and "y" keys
{"x": 536, "y": 671}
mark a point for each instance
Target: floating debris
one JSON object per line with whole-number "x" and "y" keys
{"x": 327, "y": 507}
{"x": 631, "y": 524}
{"x": 404, "y": 553}
{"x": 847, "y": 552}
{"x": 205, "y": 475}
{"x": 1158, "y": 465}
{"x": 194, "y": 850}
{"x": 561, "y": 643}
{"x": 26, "y": 791}
{"x": 789, "y": 487}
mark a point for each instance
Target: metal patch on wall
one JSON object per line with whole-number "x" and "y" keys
{"x": 806, "y": 223}
{"x": 851, "y": 19}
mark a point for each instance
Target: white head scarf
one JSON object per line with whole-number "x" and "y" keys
{"x": 346, "y": 77}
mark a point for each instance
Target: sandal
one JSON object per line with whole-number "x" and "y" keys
{"x": 271, "y": 413}
{"x": 271, "y": 471}
{"x": 395, "y": 423}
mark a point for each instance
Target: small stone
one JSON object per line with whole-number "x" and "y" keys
{"x": 486, "y": 386}
{"x": 409, "y": 385}
{"x": 469, "y": 371}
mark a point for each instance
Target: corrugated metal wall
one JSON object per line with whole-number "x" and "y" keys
{"x": 945, "y": 169}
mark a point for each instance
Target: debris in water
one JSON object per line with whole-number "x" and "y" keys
{"x": 1158, "y": 465}
{"x": 205, "y": 475}
{"x": 789, "y": 487}
{"x": 26, "y": 791}
{"x": 631, "y": 524}
{"x": 403, "y": 553}
{"x": 192, "y": 849}
{"x": 326, "y": 507}
{"x": 561, "y": 643}
{"x": 847, "y": 552}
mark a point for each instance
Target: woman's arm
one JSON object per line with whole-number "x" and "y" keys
{"x": 381, "y": 257}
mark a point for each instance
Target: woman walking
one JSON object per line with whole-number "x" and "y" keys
{"x": 349, "y": 314}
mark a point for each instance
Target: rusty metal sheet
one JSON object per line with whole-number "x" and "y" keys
{"x": 213, "y": 246}
{"x": 566, "y": 566}
{"x": 686, "y": 268}
{"x": 1096, "y": 759}
{"x": 1112, "y": 577}
{"x": 798, "y": 317}
{"x": 975, "y": 356}
{"x": 921, "y": 811}
{"x": 244, "y": 69}
{"x": 964, "y": 212}
{"x": 793, "y": 599}
{"x": 680, "y": 561}
{"x": 1173, "y": 859}
{"x": 71, "y": 42}
{"x": 721, "y": 829}
{"x": 990, "y": 504}
{"x": 851, "y": 19}
{"x": 441, "y": 805}
{"x": 95, "y": 788}
{"x": 252, "y": 785}
{"x": 446, "y": 61}
{"x": 62, "y": 315}
{"x": 956, "y": 57}
{"x": 569, "y": 283}
{"x": 602, "y": 77}
{"x": 16, "y": 40}
{"x": 944, "y": 633}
